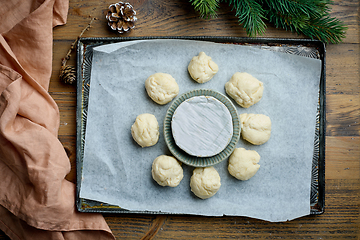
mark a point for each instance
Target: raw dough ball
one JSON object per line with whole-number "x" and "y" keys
{"x": 161, "y": 88}
{"x": 145, "y": 130}
{"x": 202, "y": 68}
{"x": 255, "y": 128}
{"x": 244, "y": 89}
{"x": 205, "y": 182}
{"x": 167, "y": 171}
{"x": 243, "y": 163}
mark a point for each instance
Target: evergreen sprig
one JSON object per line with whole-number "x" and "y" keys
{"x": 309, "y": 17}
{"x": 309, "y": 8}
{"x": 250, "y": 15}
{"x": 207, "y": 8}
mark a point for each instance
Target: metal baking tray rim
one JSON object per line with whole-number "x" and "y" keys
{"x": 84, "y": 52}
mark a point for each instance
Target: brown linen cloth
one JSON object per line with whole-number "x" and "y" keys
{"x": 36, "y": 202}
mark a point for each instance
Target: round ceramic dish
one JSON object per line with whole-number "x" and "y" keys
{"x": 201, "y": 161}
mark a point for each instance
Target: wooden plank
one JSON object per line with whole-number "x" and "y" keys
{"x": 342, "y": 158}
{"x": 178, "y": 18}
{"x": 155, "y": 18}
{"x": 343, "y": 115}
{"x": 342, "y": 69}
{"x": 131, "y": 226}
{"x": 348, "y": 12}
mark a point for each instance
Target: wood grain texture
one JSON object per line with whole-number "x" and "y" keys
{"x": 169, "y": 18}
{"x": 343, "y": 111}
{"x": 177, "y": 18}
{"x": 342, "y": 65}
{"x": 342, "y": 158}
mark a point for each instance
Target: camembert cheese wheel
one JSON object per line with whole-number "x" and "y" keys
{"x": 202, "y": 126}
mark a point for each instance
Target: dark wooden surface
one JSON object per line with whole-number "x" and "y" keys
{"x": 177, "y": 18}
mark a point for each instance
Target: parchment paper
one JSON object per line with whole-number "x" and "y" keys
{"x": 118, "y": 171}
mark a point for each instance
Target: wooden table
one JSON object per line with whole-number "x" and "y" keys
{"x": 177, "y": 18}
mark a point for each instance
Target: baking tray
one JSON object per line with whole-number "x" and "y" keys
{"x": 303, "y": 47}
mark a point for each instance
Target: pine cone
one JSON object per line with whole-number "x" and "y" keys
{"x": 121, "y": 17}
{"x": 68, "y": 74}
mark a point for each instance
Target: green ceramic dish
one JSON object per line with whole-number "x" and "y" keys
{"x": 201, "y": 161}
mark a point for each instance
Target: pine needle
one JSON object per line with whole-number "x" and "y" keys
{"x": 207, "y": 8}
{"x": 309, "y": 17}
{"x": 310, "y": 8}
{"x": 250, "y": 15}
{"x": 326, "y": 29}
{"x": 323, "y": 27}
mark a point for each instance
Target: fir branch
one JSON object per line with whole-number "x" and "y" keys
{"x": 309, "y": 17}
{"x": 311, "y": 8}
{"x": 251, "y": 15}
{"x": 206, "y": 8}
{"x": 325, "y": 28}
{"x": 288, "y": 23}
